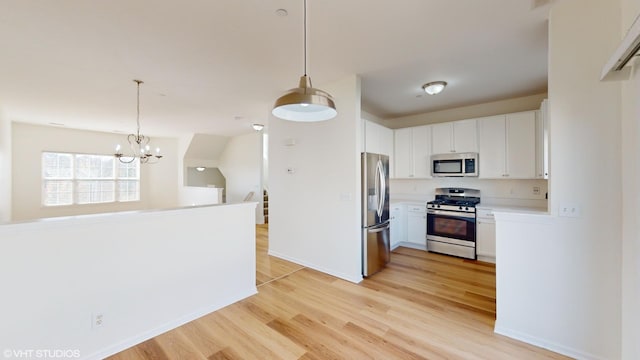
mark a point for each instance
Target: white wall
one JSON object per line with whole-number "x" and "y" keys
{"x": 371, "y": 117}
{"x": 631, "y": 200}
{"x": 558, "y": 278}
{"x": 241, "y": 165}
{"x": 145, "y": 272}
{"x": 500, "y": 107}
{"x": 314, "y": 213}
{"x": 195, "y": 195}
{"x": 159, "y": 183}
{"x": 492, "y": 192}
{"x": 5, "y": 168}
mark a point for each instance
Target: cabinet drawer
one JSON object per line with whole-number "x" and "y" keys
{"x": 416, "y": 208}
{"x": 484, "y": 213}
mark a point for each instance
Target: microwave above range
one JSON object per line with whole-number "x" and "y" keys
{"x": 454, "y": 164}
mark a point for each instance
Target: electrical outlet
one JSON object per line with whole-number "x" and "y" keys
{"x": 536, "y": 190}
{"x": 97, "y": 320}
{"x": 570, "y": 211}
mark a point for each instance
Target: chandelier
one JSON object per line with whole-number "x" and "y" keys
{"x": 138, "y": 143}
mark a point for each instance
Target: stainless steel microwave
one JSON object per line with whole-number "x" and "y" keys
{"x": 454, "y": 164}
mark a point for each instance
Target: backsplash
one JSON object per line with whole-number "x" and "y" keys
{"x": 493, "y": 192}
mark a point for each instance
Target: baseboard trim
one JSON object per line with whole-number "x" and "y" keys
{"x": 351, "y": 278}
{"x": 144, "y": 336}
{"x": 549, "y": 345}
{"x": 412, "y": 245}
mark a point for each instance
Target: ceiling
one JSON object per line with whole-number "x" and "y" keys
{"x": 216, "y": 66}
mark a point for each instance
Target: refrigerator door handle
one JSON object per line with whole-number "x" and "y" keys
{"x": 380, "y": 187}
{"x": 379, "y": 229}
{"x": 383, "y": 188}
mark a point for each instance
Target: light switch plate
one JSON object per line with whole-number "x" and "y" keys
{"x": 570, "y": 210}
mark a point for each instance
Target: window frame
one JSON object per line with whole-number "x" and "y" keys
{"x": 75, "y": 179}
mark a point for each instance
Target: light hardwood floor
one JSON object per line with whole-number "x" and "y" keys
{"x": 422, "y": 306}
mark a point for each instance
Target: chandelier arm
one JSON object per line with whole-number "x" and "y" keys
{"x": 133, "y": 158}
{"x": 132, "y": 139}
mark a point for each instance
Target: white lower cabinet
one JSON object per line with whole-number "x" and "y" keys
{"x": 417, "y": 226}
{"x": 485, "y": 235}
{"x": 398, "y": 224}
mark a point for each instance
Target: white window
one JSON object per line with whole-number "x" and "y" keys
{"x": 88, "y": 179}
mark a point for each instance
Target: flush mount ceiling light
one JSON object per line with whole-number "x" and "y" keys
{"x": 434, "y": 88}
{"x": 139, "y": 144}
{"x": 305, "y": 103}
{"x": 257, "y": 127}
{"x": 200, "y": 168}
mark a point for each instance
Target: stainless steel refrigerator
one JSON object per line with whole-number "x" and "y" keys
{"x": 375, "y": 213}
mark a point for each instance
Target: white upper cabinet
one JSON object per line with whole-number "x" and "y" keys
{"x": 507, "y": 146}
{"x": 413, "y": 152}
{"x": 465, "y": 135}
{"x": 421, "y": 144}
{"x": 403, "y": 153}
{"x": 441, "y": 138}
{"x": 456, "y": 136}
{"x": 521, "y": 145}
{"x": 492, "y": 133}
{"x": 377, "y": 138}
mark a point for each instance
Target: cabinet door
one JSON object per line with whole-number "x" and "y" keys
{"x": 398, "y": 225}
{"x": 442, "y": 138}
{"x": 403, "y": 154}
{"x": 539, "y": 146}
{"x": 421, "y": 145}
{"x": 377, "y": 138}
{"x": 363, "y": 136}
{"x": 370, "y": 137}
{"x": 417, "y": 228}
{"x": 492, "y": 149}
{"x": 486, "y": 238}
{"x": 465, "y": 136}
{"x": 521, "y": 145}
{"x": 386, "y": 142}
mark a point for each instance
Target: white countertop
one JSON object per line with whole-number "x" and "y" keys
{"x": 407, "y": 201}
{"x": 512, "y": 208}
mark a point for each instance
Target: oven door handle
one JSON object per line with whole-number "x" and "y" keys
{"x": 451, "y": 214}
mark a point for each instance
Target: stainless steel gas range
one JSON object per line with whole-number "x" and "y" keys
{"x": 451, "y": 222}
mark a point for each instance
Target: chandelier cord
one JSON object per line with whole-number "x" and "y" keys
{"x": 138, "y": 109}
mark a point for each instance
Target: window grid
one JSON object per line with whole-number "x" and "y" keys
{"x": 69, "y": 179}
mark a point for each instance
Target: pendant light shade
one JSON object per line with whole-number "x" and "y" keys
{"x": 305, "y": 103}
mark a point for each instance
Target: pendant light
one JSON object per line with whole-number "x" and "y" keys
{"x": 305, "y": 103}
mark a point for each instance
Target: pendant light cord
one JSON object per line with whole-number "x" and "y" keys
{"x": 305, "y": 37}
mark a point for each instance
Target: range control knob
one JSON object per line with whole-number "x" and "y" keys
{"x": 438, "y": 206}
{"x": 466, "y": 208}
{"x": 460, "y": 208}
